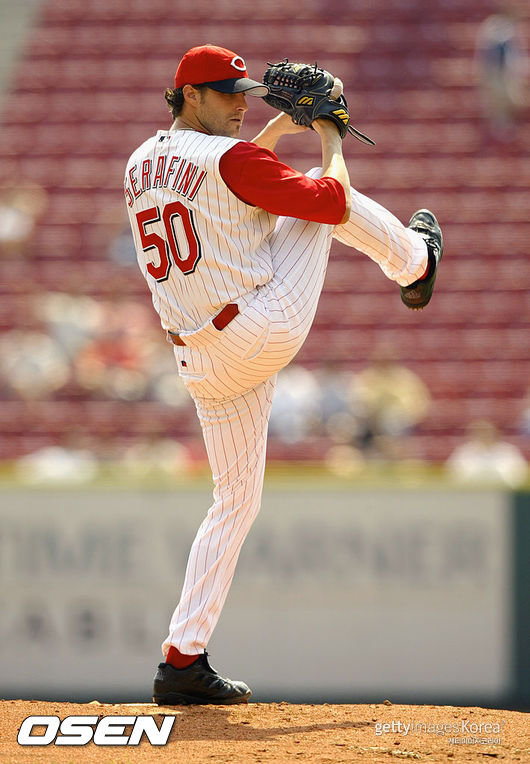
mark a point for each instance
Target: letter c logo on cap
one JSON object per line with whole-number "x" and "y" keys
{"x": 238, "y": 63}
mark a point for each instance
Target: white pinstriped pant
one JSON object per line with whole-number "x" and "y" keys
{"x": 231, "y": 376}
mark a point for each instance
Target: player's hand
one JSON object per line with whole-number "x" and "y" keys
{"x": 325, "y": 127}
{"x": 280, "y": 125}
{"x": 285, "y": 125}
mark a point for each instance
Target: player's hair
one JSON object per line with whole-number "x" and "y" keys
{"x": 175, "y": 99}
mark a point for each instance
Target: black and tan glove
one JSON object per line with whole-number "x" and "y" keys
{"x": 306, "y": 92}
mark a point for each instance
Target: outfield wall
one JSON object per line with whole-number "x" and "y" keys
{"x": 340, "y": 593}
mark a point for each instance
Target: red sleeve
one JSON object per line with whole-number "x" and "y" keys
{"x": 257, "y": 177}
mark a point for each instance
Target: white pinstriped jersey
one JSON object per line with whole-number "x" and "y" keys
{"x": 198, "y": 246}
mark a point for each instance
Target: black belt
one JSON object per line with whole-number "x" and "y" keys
{"x": 222, "y": 319}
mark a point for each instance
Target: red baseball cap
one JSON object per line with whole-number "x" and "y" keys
{"x": 219, "y": 69}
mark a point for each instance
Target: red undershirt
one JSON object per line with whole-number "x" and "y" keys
{"x": 257, "y": 177}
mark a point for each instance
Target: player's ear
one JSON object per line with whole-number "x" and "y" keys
{"x": 191, "y": 95}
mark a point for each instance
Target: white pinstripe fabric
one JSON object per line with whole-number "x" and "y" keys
{"x": 275, "y": 273}
{"x": 235, "y": 433}
{"x": 400, "y": 252}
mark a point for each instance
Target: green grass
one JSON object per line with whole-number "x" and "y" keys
{"x": 278, "y": 474}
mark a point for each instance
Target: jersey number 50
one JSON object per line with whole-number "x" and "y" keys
{"x": 170, "y": 247}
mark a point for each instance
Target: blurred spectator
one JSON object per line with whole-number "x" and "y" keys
{"x": 156, "y": 455}
{"x": 72, "y": 319}
{"x": 159, "y": 363}
{"x": 125, "y": 313}
{"x": 121, "y": 250}
{"x": 485, "y": 458}
{"x": 524, "y": 419}
{"x": 32, "y": 364}
{"x": 69, "y": 462}
{"x": 345, "y": 460}
{"x": 20, "y": 208}
{"x": 112, "y": 363}
{"x": 501, "y": 64}
{"x": 111, "y": 366}
{"x": 111, "y": 232}
{"x": 337, "y": 412}
{"x": 340, "y": 419}
{"x": 295, "y": 406}
{"x": 391, "y": 400}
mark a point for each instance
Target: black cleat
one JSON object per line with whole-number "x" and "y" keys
{"x": 417, "y": 295}
{"x": 197, "y": 684}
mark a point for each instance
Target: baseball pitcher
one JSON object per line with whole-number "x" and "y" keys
{"x": 234, "y": 245}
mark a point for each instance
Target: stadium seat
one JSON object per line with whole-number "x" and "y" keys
{"x": 90, "y": 88}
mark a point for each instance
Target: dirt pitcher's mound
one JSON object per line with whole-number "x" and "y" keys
{"x": 273, "y": 732}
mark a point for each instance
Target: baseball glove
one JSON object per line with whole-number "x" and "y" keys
{"x": 307, "y": 93}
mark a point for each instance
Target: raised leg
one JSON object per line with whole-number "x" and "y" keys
{"x": 400, "y": 252}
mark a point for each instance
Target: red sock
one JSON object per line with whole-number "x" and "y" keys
{"x": 178, "y": 660}
{"x": 427, "y": 269}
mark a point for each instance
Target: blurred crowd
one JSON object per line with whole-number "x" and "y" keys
{"x": 501, "y": 70}
{"x": 21, "y": 207}
{"x": 369, "y": 412}
{"x": 368, "y": 416}
{"x": 78, "y": 346}
{"x": 75, "y": 345}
